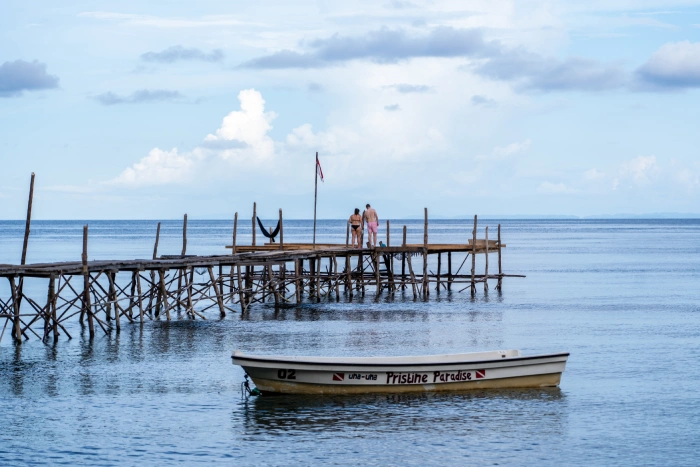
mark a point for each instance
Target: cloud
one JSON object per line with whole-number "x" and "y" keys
{"x": 242, "y": 137}
{"x": 158, "y": 168}
{"x": 144, "y": 95}
{"x": 381, "y": 46}
{"x": 19, "y": 76}
{"x": 640, "y": 168}
{"x": 673, "y": 66}
{"x": 401, "y": 4}
{"x": 409, "y": 88}
{"x": 179, "y": 53}
{"x": 549, "y": 188}
{"x": 504, "y": 152}
{"x": 166, "y": 23}
{"x": 248, "y": 125}
{"x": 482, "y": 100}
{"x": 392, "y": 108}
{"x": 314, "y": 87}
{"x": 529, "y": 71}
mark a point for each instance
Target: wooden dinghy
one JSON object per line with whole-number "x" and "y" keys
{"x": 360, "y": 375}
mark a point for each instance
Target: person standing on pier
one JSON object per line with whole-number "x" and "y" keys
{"x": 370, "y": 216}
{"x": 355, "y": 222}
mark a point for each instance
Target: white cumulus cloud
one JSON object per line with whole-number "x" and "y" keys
{"x": 158, "y": 167}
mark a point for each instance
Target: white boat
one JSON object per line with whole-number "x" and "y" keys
{"x": 359, "y": 375}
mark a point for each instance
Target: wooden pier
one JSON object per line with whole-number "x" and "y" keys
{"x": 105, "y": 294}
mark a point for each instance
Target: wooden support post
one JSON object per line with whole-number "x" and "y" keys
{"x": 500, "y": 270}
{"x": 188, "y": 284}
{"x": 413, "y": 277}
{"x": 29, "y": 221}
{"x": 312, "y": 277}
{"x": 486, "y": 258}
{"x": 138, "y": 291}
{"x": 52, "y": 306}
{"x": 473, "y": 284}
{"x": 25, "y": 244}
{"x": 361, "y": 267}
{"x": 390, "y": 273}
{"x": 348, "y": 275}
{"x": 184, "y": 236}
{"x": 426, "y": 280}
{"x": 112, "y": 298}
{"x": 347, "y": 235}
{"x": 180, "y": 271}
{"x": 255, "y": 208}
{"x": 318, "y": 280}
{"x": 439, "y": 267}
{"x": 388, "y": 233}
{"x": 403, "y": 260}
{"x": 336, "y": 285}
{"x": 163, "y": 294}
{"x": 281, "y": 231}
{"x": 155, "y": 245}
{"x": 87, "y": 306}
{"x": 153, "y": 289}
{"x": 241, "y": 295}
{"x": 449, "y": 270}
{"x": 17, "y": 323}
{"x": 297, "y": 280}
{"x": 219, "y": 298}
{"x": 377, "y": 277}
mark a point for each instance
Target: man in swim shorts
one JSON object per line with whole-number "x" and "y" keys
{"x": 372, "y": 220}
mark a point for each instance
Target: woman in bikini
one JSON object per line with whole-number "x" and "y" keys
{"x": 355, "y": 222}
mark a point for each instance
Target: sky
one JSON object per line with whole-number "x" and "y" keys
{"x": 149, "y": 110}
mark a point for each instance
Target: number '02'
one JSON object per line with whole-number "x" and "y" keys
{"x": 287, "y": 374}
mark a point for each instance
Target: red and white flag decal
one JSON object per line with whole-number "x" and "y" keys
{"x": 338, "y": 376}
{"x": 480, "y": 374}
{"x": 318, "y": 169}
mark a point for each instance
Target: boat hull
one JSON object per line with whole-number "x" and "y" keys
{"x": 445, "y": 373}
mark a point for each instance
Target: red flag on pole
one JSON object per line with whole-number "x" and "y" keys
{"x": 318, "y": 169}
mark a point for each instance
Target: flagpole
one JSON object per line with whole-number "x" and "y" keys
{"x": 315, "y": 196}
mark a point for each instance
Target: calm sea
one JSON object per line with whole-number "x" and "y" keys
{"x": 622, "y": 296}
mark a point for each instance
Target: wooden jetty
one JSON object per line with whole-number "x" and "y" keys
{"x": 106, "y": 293}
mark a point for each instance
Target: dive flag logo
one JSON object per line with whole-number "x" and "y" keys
{"x": 338, "y": 376}
{"x": 480, "y": 374}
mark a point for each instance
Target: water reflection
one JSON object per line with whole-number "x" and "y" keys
{"x": 544, "y": 410}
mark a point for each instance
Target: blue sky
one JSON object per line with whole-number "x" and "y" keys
{"x": 143, "y": 110}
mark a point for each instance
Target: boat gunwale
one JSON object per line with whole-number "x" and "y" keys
{"x": 521, "y": 359}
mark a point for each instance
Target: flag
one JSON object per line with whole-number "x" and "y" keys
{"x": 319, "y": 171}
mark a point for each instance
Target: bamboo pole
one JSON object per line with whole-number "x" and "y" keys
{"x": 439, "y": 267}
{"x": 377, "y": 277}
{"x": 426, "y": 286}
{"x": 281, "y": 231}
{"x": 500, "y": 270}
{"x": 155, "y": 245}
{"x": 403, "y": 261}
{"x": 255, "y": 208}
{"x": 473, "y": 284}
{"x": 163, "y": 294}
{"x": 29, "y": 221}
{"x": 336, "y": 286}
{"x": 486, "y": 267}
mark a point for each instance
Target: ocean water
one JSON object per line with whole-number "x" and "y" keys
{"x": 622, "y": 296}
